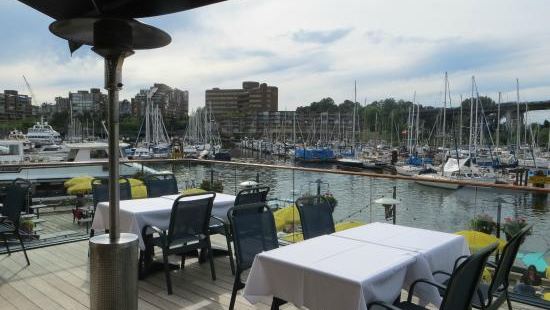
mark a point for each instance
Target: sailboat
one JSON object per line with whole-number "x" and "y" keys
{"x": 156, "y": 143}
{"x": 351, "y": 159}
{"x": 202, "y": 139}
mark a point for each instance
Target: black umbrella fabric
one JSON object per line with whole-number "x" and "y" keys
{"x": 67, "y": 9}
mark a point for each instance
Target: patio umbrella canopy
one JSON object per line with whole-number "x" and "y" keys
{"x": 68, "y": 9}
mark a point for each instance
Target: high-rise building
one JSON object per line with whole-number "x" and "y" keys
{"x": 87, "y": 101}
{"x": 251, "y": 99}
{"x": 62, "y": 104}
{"x": 173, "y": 103}
{"x": 14, "y": 105}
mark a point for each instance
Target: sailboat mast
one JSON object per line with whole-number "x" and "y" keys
{"x": 518, "y": 125}
{"x": 471, "y": 119}
{"x": 498, "y": 119}
{"x": 445, "y": 109}
{"x": 353, "y": 121}
{"x": 460, "y": 124}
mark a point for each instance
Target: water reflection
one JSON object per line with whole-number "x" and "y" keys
{"x": 422, "y": 206}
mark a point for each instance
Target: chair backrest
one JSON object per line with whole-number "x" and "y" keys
{"x": 190, "y": 216}
{"x": 252, "y": 195}
{"x": 253, "y": 231}
{"x": 315, "y": 216}
{"x": 100, "y": 190}
{"x": 17, "y": 198}
{"x": 464, "y": 280}
{"x": 506, "y": 261}
{"x": 160, "y": 185}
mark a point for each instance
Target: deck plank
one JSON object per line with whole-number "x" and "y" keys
{"x": 58, "y": 278}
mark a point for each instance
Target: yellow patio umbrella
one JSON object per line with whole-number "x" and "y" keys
{"x": 78, "y": 180}
{"x": 478, "y": 240}
{"x": 286, "y": 216}
{"x": 83, "y": 185}
{"x": 138, "y": 189}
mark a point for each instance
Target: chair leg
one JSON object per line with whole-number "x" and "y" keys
{"x": 230, "y": 251}
{"x": 508, "y": 300}
{"x": 167, "y": 271}
{"x": 211, "y": 259}
{"x": 6, "y": 243}
{"x": 23, "y": 247}
{"x": 234, "y": 292}
{"x": 182, "y": 264}
{"x": 276, "y": 303}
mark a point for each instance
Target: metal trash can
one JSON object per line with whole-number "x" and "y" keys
{"x": 114, "y": 272}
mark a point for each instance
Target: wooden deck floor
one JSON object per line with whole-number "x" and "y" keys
{"x": 58, "y": 278}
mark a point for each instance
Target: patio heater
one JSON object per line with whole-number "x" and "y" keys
{"x": 109, "y": 26}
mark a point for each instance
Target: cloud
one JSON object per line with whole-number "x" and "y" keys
{"x": 320, "y": 37}
{"x": 311, "y": 51}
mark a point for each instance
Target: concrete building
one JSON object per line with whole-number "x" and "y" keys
{"x": 173, "y": 102}
{"x": 62, "y": 104}
{"x": 14, "y": 106}
{"x": 87, "y": 101}
{"x": 252, "y": 98}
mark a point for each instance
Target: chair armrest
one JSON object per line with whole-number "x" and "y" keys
{"x": 457, "y": 261}
{"x": 413, "y": 285}
{"x": 219, "y": 219}
{"x": 383, "y": 305}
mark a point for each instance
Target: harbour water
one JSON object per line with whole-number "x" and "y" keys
{"x": 422, "y": 206}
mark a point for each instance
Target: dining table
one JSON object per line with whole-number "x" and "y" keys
{"x": 137, "y": 213}
{"x": 349, "y": 269}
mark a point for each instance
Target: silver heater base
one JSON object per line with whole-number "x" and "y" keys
{"x": 114, "y": 272}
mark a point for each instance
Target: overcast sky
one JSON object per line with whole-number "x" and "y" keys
{"x": 310, "y": 49}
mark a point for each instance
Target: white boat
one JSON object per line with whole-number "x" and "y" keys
{"x": 53, "y": 176}
{"x": 50, "y": 153}
{"x": 408, "y": 170}
{"x": 18, "y": 135}
{"x": 458, "y": 170}
{"x": 43, "y": 134}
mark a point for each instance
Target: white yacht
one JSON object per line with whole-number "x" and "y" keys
{"x": 43, "y": 134}
{"x": 51, "y": 177}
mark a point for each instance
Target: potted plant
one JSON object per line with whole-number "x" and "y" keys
{"x": 27, "y": 226}
{"x": 512, "y": 226}
{"x": 330, "y": 198}
{"x": 483, "y": 223}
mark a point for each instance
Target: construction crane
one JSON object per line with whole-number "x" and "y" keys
{"x": 30, "y": 90}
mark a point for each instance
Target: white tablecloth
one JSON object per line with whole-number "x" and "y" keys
{"x": 347, "y": 270}
{"x": 136, "y": 214}
{"x": 439, "y": 249}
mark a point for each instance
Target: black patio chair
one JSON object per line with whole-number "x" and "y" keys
{"x": 493, "y": 295}
{"x": 315, "y": 216}
{"x": 161, "y": 185}
{"x": 100, "y": 193}
{"x": 252, "y": 195}
{"x": 253, "y": 230}
{"x": 187, "y": 231}
{"x": 17, "y": 197}
{"x": 460, "y": 289}
{"x": 221, "y": 226}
